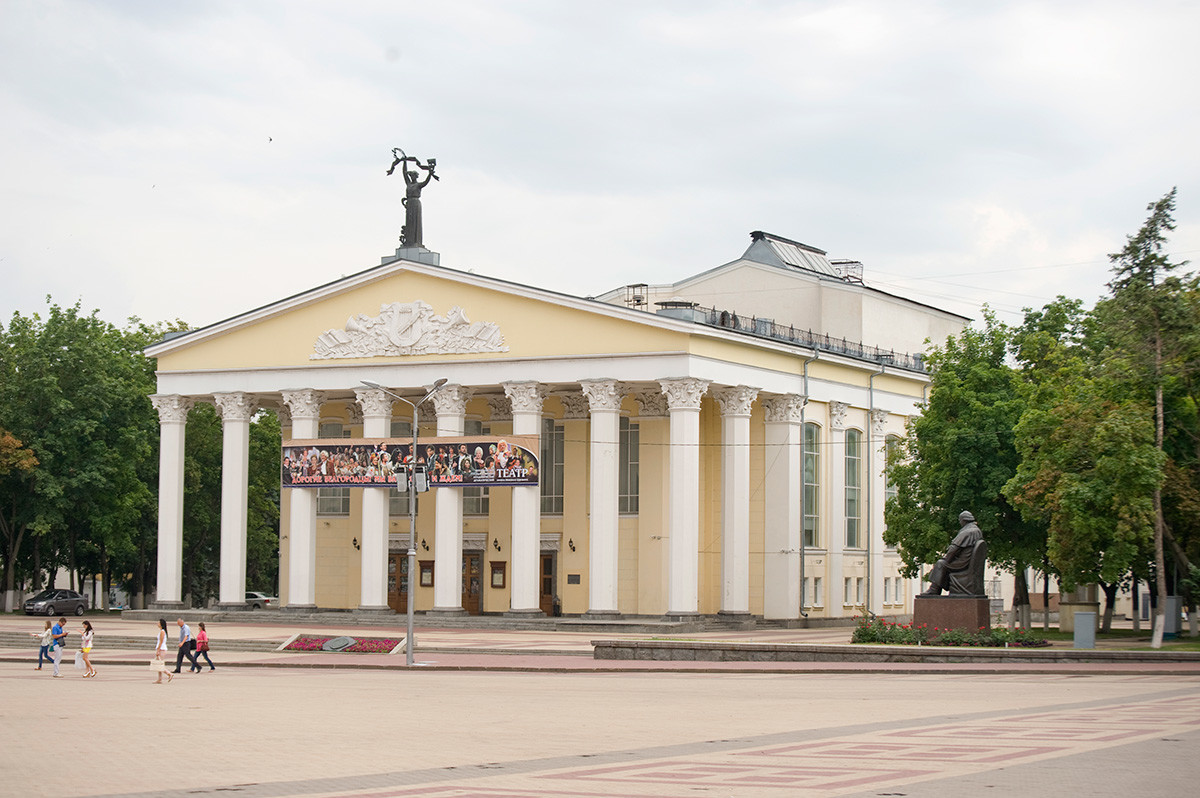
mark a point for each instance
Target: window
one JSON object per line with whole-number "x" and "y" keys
{"x": 628, "y": 477}
{"x": 847, "y": 587}
{"x": 333, "y": 501}
{"x": 553, "y": 443}
{"x": 475, "y": 500}
{"x": 812, "y": 591}
{"x": 890, "y": 445}
{"x": 818, "y": 599}
{"x": 887, "y": 590}
{"x": 810, "y": 467}
{"x": 853, "y": 488}
{"x": 858, "y": 590}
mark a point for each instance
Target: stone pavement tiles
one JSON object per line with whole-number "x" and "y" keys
{"x": 624, "y": 735}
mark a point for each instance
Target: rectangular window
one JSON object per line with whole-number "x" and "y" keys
{"x": 887, "y": 590}
{"x": 333, "y": 501}
{"x": 858, "y": 590}
{"x": 847, "y": 588}
{"x": 811, "y": 470}
{"x": 553, "y": 445}
{"x": 818, "y": 599}
{"x": 853, "y": 488}
{"x": 475, "y": 501}
{"x": 628, "y": 477}
{"x": 890, "y": 445}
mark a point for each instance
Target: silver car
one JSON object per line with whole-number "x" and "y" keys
{"x": 56, "y": 601}
{"x": 259, "y": 601}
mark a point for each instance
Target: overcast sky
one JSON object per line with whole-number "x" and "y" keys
{"x": 196, "y": 160}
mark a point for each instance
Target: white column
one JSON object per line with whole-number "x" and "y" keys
{"x": 451, "y": 405}
{"x": 377, "y": 423}
{"x": 875, "y": 478}
{"x": 604, "y": 401}
{"x": 526, "y": 546}
{"x": 735, "y": 406}
{"x": 836, "y": 545}
{"x": 782, "y": 523}
{"x": 236, "y": 411}
{"x": 305, "y": 407}
{"x": 683, "y": 403}
{"x": 172, "y": 420}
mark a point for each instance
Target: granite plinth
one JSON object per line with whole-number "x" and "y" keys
{"x": 968, "y": 613}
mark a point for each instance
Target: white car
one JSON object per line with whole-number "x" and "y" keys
{"x": 260, "y": 601}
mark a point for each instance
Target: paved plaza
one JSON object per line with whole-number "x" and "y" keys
{"x": 274, "y": 728}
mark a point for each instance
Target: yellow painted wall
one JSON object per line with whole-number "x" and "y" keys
{"x": 286, "y": 339}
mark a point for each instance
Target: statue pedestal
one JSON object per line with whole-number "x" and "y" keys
{"x": 1067, "y": 609}
{"x": 968, "y": 613}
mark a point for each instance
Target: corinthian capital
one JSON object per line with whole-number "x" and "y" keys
{"x": 172, "y": 408}
{"x": 236, "y": 406}
{"x": 526, "y": 397}
{"x": 602, "y": 394}
{"x": 374, "y": 402}
{"x": 304, "y": 404}
{"x": 684, "y": 393}
{"x": 451, "y": 400}
{"x": 784, "y": 409}
{"x": 735, "y": 401}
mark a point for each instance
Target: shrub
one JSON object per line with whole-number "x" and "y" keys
{"x": 872, "y": 629}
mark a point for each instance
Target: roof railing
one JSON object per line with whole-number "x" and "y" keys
{"x": 768, "y": 328}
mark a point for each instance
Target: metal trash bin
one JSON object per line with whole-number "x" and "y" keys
{"x": 1085, "y": 630}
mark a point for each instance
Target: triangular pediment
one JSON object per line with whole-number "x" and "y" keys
{"x": 405, "y": 312}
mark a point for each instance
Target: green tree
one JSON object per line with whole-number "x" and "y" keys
{"x": 1149, "y": 327}
{"x": 74, "y": 389}
{"x": 958, "y": 455}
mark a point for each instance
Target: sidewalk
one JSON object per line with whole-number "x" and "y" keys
{"x": 250, "y": 644}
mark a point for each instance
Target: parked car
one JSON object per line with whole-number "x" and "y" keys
{"x": 56, "y": 601}
{"x": 259, "y": 601}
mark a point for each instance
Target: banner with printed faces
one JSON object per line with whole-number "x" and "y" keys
{"x": 492, "y": 461}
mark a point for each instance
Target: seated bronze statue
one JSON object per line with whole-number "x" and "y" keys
{"x": 960, "y": 571}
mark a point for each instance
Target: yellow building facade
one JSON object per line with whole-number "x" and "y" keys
{"x": 696, "y": 458}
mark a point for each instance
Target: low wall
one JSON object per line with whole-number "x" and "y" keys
{"x": 703, "y": 651}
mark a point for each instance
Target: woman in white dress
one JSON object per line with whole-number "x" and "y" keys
{"x": 160, "y": 650}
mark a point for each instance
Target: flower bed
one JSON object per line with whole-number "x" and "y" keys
{"x": 877, "y": 630}
{"x": 362, "y": 645}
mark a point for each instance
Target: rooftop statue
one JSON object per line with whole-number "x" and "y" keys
{"x": 411, "y": 233}
{"x": 960, "y": 571}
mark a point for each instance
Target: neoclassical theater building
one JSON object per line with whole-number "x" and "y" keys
{"x": 713, "y": 446}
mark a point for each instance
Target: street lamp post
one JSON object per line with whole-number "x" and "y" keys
{"x": 410, "y": 643}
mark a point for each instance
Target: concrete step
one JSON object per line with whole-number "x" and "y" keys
{"x": 126, "y": 642}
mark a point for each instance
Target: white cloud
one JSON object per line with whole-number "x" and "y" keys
{"x": 196, "y": 160}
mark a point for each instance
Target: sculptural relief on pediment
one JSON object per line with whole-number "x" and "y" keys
{"x": 409, "y": 328}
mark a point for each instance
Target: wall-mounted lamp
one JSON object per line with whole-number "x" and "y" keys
{"x": 496, "y": 544}
{"x": 354, "y": 542}
{"x": 424, "y": 545}
{"x": 571, "y": 544}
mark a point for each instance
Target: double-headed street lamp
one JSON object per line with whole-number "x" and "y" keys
{"x": 410, "y": 643}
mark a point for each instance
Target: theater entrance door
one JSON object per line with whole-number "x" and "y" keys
{"x": 472, "y": 581}
{"x": 397, "y": 580}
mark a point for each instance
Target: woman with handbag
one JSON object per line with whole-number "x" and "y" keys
{"x": 85, "y": 648}
{"x": 202, "y": 648}
{"x": 160, "y": 649}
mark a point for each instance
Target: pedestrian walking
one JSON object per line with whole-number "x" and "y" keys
{"x": 187, "y": 646}
{"x": 202, "y": 648}
{"x": 44, "y": 639}
{"x": 160, "y": 652}
{"x": 58, "y": 637}
{"x": 85, "y": 648}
